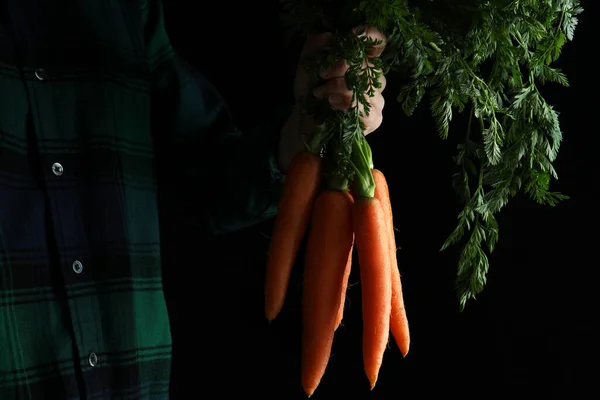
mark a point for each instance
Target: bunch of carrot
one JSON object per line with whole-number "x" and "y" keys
{"x": 337, "y": 220}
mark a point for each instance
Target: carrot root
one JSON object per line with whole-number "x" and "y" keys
{"x": 329, "y": 242}
{"x": 345, "y": 278}
{"x": 398, "y": 319}
{"x": 299, "y": 190}
{"x": 371, "y": 239}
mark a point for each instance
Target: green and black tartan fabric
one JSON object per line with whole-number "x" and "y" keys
{"x": 102, "y": 125}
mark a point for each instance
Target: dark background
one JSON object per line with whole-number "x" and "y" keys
{"x": 530, "y": 329}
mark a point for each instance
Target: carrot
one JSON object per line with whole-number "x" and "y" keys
{"x": 329, "y": 242}
{"x": 371, "y": 240}
{"x": 299, "y": 190}
{"x": 398, "y": 320}
{"x": 346, "y": 272}
{"x": 345, "y": 286}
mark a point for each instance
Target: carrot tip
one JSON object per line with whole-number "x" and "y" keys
{"x": 309, "y": 392}
{"x": 270, "y": 316}
{"x": 373, "y": 381}
{"x": 404, "y": 349}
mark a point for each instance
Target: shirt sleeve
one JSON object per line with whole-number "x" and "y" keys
{"x": 209, "y": 173}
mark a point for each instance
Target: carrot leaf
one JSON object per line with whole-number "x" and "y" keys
{"x": 490, "y": 57}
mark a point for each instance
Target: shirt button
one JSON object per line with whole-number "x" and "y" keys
{"x": 77, "y": 266}
{"x": 93, "y": 359}
{"x": 40, "y": 74}
{"x": 57, "y": 169}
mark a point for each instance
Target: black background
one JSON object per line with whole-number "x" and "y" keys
{"x": 530, "y": 329}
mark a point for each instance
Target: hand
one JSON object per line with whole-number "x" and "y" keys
{"x": 334, "y": 90}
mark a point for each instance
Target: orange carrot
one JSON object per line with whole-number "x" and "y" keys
{"x": 371, "y": 240}
{"x": 329, "y": 242}
{"x": 398, "y": 320}
{"x": 346, "y": 273}
{"x": 300, "y": 187}
{"x": 345, "y": 286}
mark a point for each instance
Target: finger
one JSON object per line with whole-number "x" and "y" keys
{"x": 340, "y": 102}
{"x": 343, "y": 101}
{"x": 372, "y": 121}
{"x": 336, "y": 92}
{"x": 377, "y": 103}
{"x": 383, "y": 82}
{"x": 332, "y": 86}
{"x": 337, "y": 70}
{"x": 381, "y": 78}
{"x": 376, "y": 35}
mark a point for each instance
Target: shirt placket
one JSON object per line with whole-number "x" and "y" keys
{"x": 72, "y": 257}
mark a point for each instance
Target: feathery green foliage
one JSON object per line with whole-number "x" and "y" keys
{"x": 489, "y": 57}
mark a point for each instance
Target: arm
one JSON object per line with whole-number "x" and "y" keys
{"x": 210, "y": 174}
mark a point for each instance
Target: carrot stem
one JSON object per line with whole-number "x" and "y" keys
{"x": 318, "y": 138}
{"x": 362, "y": 160}
{"x": 337, "y": 182}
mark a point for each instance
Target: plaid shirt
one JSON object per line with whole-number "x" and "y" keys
{"x": 101, "y": 125}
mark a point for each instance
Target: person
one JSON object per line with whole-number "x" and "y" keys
{"x": 107, "y": 139}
